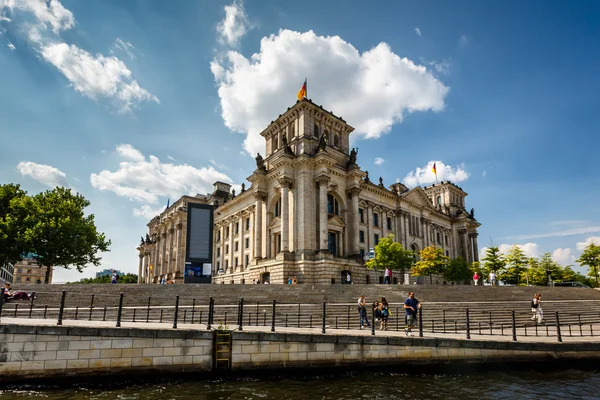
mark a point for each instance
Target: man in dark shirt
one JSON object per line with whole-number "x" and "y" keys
{"x": 411, "y": 305}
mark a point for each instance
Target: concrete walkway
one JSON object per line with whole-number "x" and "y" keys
{"x": 507, "y": 337}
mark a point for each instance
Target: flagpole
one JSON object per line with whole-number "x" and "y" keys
{"x": 306, "y": 86}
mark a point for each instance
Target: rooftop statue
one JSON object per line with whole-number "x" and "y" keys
{"x": 260, "y": 163}
{"x": 322, "y": 142}
{"x": 352, "y": 160}
{"x": 243, "y": 187}
{"x": 367, "y": 180}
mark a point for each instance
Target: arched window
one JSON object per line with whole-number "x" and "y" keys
{"x": 316, "y": 130}
{"x": 336, "y": 140}
{"x": 439, "y": 200}
{"x": 333, "y": 207}
{"x": 415, "y": 250}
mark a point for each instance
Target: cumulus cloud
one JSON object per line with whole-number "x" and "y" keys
{"x": 97, "y": 76}
{"x": 147, "y": 212}
{"x": 589, "y": 240}
{"x": 425, "y": 175}
{"x": 11, "y": 46}
{"x": 145, "y": 180}
{"x": 379, "y": 161}
{"x": 563, "y": 256}
{"x": 418, "y": 31}
{"x": 234, "y": 26}
{"x": 45, "y": 174}
{"x": 373, "y": 89}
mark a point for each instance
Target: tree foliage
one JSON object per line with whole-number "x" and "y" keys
{"x": 53, "y": 226}
{"x": 458, "y": 271}
{"x": 493, "y": 261}
{"x": 591, "y": 258}
{"x": 391, "y": 254}
{"x": 516, "y": 262}
{"x": 126, "y": 278}
{"x": 431, "y": 261}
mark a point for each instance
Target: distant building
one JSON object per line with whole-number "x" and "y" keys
{"x": 178, "y": 244}
{"x": 108, "y": 272}
{"x": 28, "y": 271}
{"x": 6, "y": 273}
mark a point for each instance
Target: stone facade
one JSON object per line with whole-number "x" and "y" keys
{"x": 28, "y": 271}
{"x": 312, "y": 213}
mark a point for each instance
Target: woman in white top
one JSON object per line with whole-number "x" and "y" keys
{"x": 536, "y": 308}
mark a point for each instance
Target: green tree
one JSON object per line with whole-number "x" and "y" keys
{"x": 569, "y": 275}
{"x": 458, "y": 271}
{"x": 550, "y": 269}
{"x": 516, "y": 265}
{"x": 60, "y": 234}
{"x": 591, "y": 258}
{"x": 13, "y": 212}
{"x": 431, "y": 261}
{"x": 126, "y": 278}
{"x": 493, "y": 261}
{"x": 392, "y": 255}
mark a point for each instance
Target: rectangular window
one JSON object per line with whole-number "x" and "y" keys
{"x": 218, "y": 252}
{"x": 218, "y": 266}
{"x": 361, "y": 236}
{"x": 247, "y": 242}
{"x": 446, "y": 236}
{"x": 247, "y": 223}
{"x": 218, "y": 236}
{"x": 447, "y": 253}
{"x": 227, "y": 232}
{"x": 332, "y": 243}
{"x": 361, "y": 214}
{"x": 226, "y": 264}
{"x": 375, "y": 219}
{"x": 237, "y": 228}
{"x": 389, "y": 223}
{"x": 247, "y": 260}
{"x": 376, "y": 238}
{"x": 279, "y": 243}
{"x": 237, "y": 247}
{"x": 362, "y": 253}
{"x": 226, "y": 249}
{"x": 439, "y": 238}
{"x": 235, "y": 261}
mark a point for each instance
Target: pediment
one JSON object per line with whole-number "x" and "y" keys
{"x": 276, "y": 223}
{"x": 336, "y": 221}
{"x": 418, "y": 197}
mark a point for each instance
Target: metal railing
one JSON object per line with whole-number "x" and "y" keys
{"x": 451, "y": 319}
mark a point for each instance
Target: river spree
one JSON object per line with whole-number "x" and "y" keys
{"x": 523, "y": 383}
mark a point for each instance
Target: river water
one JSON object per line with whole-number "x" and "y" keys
{"x": 525, "y": 382}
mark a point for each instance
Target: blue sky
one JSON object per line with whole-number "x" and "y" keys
{"x": 503, "y": 95}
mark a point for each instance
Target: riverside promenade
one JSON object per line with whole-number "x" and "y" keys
{"x": 96, "y": 332}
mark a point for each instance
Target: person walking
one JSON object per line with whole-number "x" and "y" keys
{"x": 362, "y": 312}
{"x": 114, "y": 277}
{"x": 493, "y": 278}
{"x": 348, "y": 278}
{"x": 536, "y": 308}
{"x": 385, "y": 313}
{"x": 411, "y": 305}
{"x": 476, "y": 278}
{"x": 387, "y": 276}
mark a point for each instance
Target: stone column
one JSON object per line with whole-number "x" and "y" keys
{"x": 259, "y": 198}
{"x": 463, "y": 238}
{"x": 475, "y": 247}
{"x": 354, "y": 220}
{"x": 323, "y": 221}
{"x": 180, "y": 259}
{"x": 164, "y": 251}
{"x": 231, "y": 248}
{"x": 383, "y": 224}
{"x": 285, "y": 213}
{"x": 252, "y": 236}
{"x": 140, "y": 269}
{"x": 370, "y": 240}
{"x": 405, "y": 225}
{"x": 242, "y": 243}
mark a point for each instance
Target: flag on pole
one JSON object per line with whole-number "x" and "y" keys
{"x": 303, "y": 92}
{"x": 168, "y": 202}
{"x": 434, "y": 170}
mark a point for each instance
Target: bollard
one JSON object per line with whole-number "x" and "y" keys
{"x": 120, "y": 311}
{"x": 193, "y": 309}
{"x": 161, "y": 315}
{"x": 491, "y": 324}
{"x": 241, "y": 317}
{"x": 444, "y": 320}
{"x": 273, "y": 318}
{"x": 211, "y": 304}
{"x": 91, "y": 308}
{"x": 148, "y": 309}
{"x": 104, "y": 315}
{"x": 372, "y": 322}
{"x": 324, "y": 316}
{"x": 514, "y": 327}
{"x": 45, "y": 310}
{"x": 580, "y": 327}
{"x": 1, "y": 302}
{"x": 468, "y": 325}
{"x": 133, "y": 319}
{"x": 61, "y": 310}
{"x": 558, "y": 335}
{"x": 176, "y": 312}
{"x": 420, "y": 322}
{"x": 16, "y": 309}
{"x": 33, "y": 297}
{"x": 76, "y": 312}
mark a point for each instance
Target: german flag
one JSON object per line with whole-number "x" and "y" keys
{"x": 302, "y": 93}
{"x": 434, "y": 170}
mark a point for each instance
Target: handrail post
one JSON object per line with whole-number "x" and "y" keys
{"x": 62, "y": 308}
{"x": 91, "y": 308}
{"x": 372, "y": 321}
{"x": 468, "y": 325}
{"x": 420, "y": 322}
{"x": 514, "y": 327}
{"x": 176, "y": 312}
{"x": 324, "y": 316}
{"x": 33, "y": 298}
{"x": 1, "y": 302}
{"x": 241, "y": 315}
{"x": 558, "y": 334}
{"x": 120, "y": 312}
{"x": 273, "y": 317}
{"x": 210, "y": 306}
{"x": 148, "y": 309}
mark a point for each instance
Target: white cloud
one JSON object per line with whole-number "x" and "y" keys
{"x": 129, "y": 152}
{"x": 463, "y": 40}
{"x": 563, "y": 256}
{"x": 589, "y": 240}
{"x": 147, "y": 212}
{"x": 218, "y": 165}
{"x": 125, "y": 47}
{"x": 170, "y": 158}
{"x": 235, "y": 24}
{"x": 49, "y": 13}
{"x": 373, "y": 90}
{"x": 530, "y": 249}
{"x": 425, "y": 175}
{"x": 45, "y": 174}
{"x": 97, "y": 76}
{"x": 418, "y": 31}
{"x": 11, "y": 46}
{"x": 379, "y": 161}
{"x": 145, "y": 181}
{"x": 566, "y": 232}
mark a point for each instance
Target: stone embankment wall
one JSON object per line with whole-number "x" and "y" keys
{"x": 58, "y": 351}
